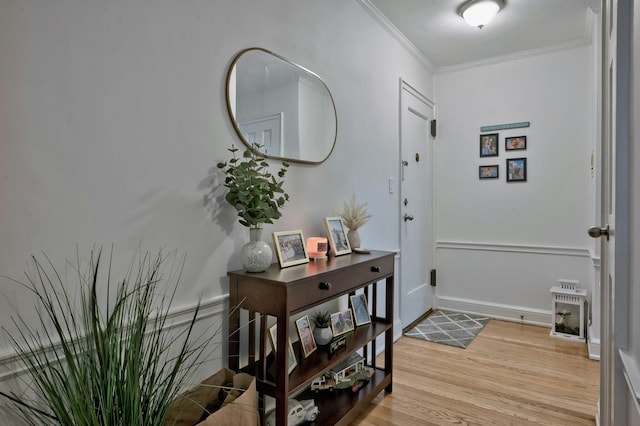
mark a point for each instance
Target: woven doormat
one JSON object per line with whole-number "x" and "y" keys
{"x": 449, "y": 328}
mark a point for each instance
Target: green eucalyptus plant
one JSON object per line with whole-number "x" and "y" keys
{"x": 253, "y": 190}
{"x": 104, "y": 361}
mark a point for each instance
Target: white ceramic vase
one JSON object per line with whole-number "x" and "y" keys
{"x": 322, "y": 335}
{"x": 354, "y": 238}
{"x": 256, "y": 255}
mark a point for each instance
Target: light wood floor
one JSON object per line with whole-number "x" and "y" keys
{"x": 511, "y": 374}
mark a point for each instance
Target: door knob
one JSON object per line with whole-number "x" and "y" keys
{"x": 597, "y": 232}
{"x": 408, "y": 217}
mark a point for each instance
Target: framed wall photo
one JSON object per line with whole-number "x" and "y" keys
{"x": 273, "y": 338}
{"x": 360, "y": 309}
{"x": 516, "y": 170}
{"x": 515, "y": 143}
{"x": 307, "y": 342}
{"x": 489, "y": 172}
{"x": 290, "y": 247}
{"x": 341, "y": 322}
{"x": 489, "y": 145}
{"x": 337, "y": 235}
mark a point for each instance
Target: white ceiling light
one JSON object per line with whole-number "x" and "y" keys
{"x": 479, "y": 13}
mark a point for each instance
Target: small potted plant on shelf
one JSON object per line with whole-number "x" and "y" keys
{"x": 354, "y": 216}
{"x": 258, "y": 196}
{"x": 322, "y": 330}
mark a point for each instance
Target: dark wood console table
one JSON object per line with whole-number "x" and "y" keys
{"x": 283, "y": 293}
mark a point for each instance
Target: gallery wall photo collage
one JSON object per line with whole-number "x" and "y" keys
{"x": 515, "y": 165}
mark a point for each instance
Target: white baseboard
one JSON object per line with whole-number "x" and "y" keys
{"x": 539, "y": 317}
{"x": 594, "y": 347}
{"x": 397, "y": 333}
{"x": 397, "y": 330}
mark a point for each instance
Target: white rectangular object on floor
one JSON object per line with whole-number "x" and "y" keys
{"x": 568, "y": 313}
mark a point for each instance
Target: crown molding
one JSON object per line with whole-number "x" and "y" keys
{"x": 594, "y": 8}
{"x": 515, "y": 56}
{"x": 395, "y": 32}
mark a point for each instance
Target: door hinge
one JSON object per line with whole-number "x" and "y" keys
{"x": 433, "y": 278}
{"x": 433, "y": 128}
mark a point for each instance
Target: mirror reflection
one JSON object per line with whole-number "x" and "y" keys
{"x": 282, "y": 106}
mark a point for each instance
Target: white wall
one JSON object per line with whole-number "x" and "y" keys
{"x": 112, "y": 113}
{"x": 501, "y": 246}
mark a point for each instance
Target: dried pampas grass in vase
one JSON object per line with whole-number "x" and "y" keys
{"x": 354, "y": 216}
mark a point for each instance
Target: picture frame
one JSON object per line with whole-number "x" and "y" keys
{"x": 515, "y": 143}
{"x": 360, "y": 309}
{"x": 489, "y": 172}
{"x": 273, "y": 338}
{"x": 516, "y": 170}
{"x": 290, "y": 247}
{"x": 337, "y": 235}
{"x": 341, "y": 322}
{"x": 489, "y": 145}
{"x": 307, "y": 341}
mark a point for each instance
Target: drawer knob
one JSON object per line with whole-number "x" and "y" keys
{"x": 325, "y": 286}
{"x": 375, "y": 269}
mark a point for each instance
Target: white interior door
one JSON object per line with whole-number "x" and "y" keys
{"x": 607, "y": 252}
{"x": 615, "y": 396}
{"x": 266, "y": 131}
{"x": 416, "y": 205}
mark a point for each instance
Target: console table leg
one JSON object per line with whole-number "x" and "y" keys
{"x": 234, "y": 325}
{"x": 388, "y": 337}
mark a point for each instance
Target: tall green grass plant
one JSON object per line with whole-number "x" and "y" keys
{"x": 101, "y": 355}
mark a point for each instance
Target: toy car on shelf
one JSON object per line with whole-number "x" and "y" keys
{"x": 321, "y": 383}
{"x": 299, "y": 412}
{"x": 358, "y": 385}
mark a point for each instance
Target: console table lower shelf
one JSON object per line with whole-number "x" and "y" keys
{"x": 342, "y": 406}
{"x": 339, "y": 406}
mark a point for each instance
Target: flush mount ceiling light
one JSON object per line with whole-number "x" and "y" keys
{"x": 479, "y": 13}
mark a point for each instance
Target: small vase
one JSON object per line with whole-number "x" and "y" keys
{"x": 322, "y": 335}
{"x": 354, "y": 238}
{"x": 256, "y": 254}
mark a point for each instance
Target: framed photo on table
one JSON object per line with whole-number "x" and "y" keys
{"x": 273, "y": 338}
{"x": 360, "y": 309}
{"x": 290, "y": 247}
{"x": 341, "y": 322}
{"x": 337, "y": 235}
{"x": 307, "y": 342}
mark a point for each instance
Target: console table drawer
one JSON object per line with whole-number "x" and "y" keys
{"x": 327, "y": 286}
